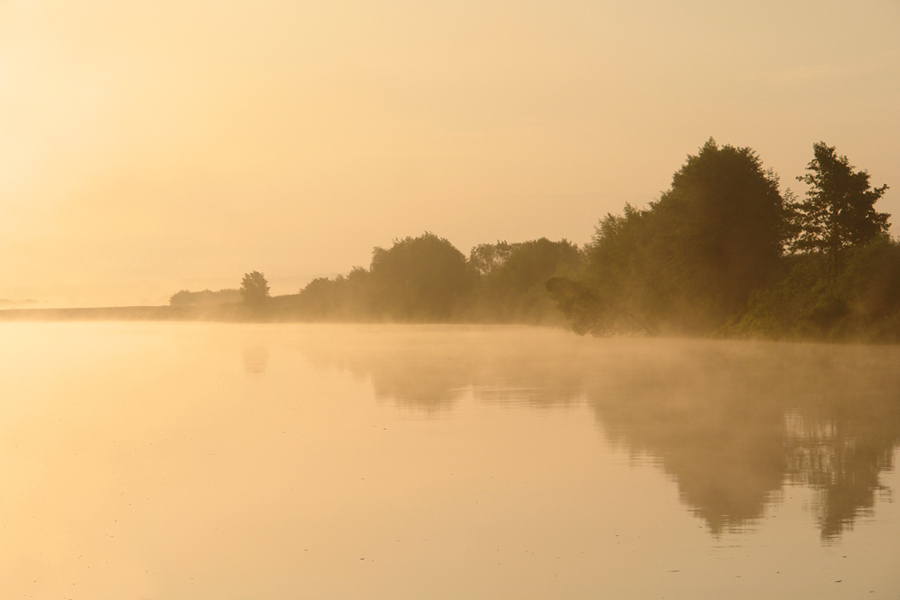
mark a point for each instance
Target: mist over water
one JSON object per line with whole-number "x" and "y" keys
{"x": 332, "y": 461}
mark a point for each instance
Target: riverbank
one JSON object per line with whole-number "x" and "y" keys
{"x": 124, "y": 313}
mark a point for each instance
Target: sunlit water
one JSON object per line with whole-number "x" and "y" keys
{"x": 204, "y": 461}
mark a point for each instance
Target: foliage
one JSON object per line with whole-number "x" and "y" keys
{"x": 691, "y": 260}
{"x": 422, "y": 278}
{"x": 844, "y": 283}
{"x": 204, "y": 298}
{"x": 344, "y": 298}
{"x": 254, "y": 289}
{"x": 587, "y": 311}
{"x": 427, "y": 279}
{"x": 862, "y": 302}
{"x": 486, "y": 258}
{"x": 513, "y": 288}
{"x": 708, "y": 257}
{"x": 839, "y": 209}
{"x": 724, "y": 227}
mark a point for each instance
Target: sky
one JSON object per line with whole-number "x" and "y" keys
{"x": 149, "y": 147}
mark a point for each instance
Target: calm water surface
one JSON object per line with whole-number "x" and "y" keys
{"x": 204, "y": 461}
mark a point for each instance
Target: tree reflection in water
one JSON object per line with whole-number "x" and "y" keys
{"x": 731, "y": 422}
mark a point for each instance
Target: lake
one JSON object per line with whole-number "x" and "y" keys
{"x": 233, "y": 461}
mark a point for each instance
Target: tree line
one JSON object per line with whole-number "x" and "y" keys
{"x": 721, "y": 252}
{"x": 427, "y": 279}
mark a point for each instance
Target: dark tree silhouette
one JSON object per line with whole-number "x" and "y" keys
{"x": 839, "y": 209}
{"x": 513, "y": 289}
{"x": 254, "y": 289}
{"x": 726, "y": 224}
{"x": 422, "y": 278}
{"x": 587, "y": 311}
{"x": 486, "y": 258}
{"x": 342, "y": 298}
{"x": 204, "y": 298}
{"x": 691, "y": 260}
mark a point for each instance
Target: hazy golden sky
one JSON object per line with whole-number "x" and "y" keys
{"x": 153, "y": 146}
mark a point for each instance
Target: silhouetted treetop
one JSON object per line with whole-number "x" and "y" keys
{"x": 419, "y": 278}
{"x": 694, "y": 256}
{"x": 839, "y": 208}
{"x": 707, "y": 257}
{"x": 254, "y": 289}
{"x": 204, "y": 298}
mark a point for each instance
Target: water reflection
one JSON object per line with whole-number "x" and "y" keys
{"x": 841, "y": 459}
{"x": 256, "y": 357}
{"x": 733, "y": 423}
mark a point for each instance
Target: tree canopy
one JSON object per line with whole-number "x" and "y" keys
{"x": 204, "y": 298}
{"x": 721, "y": 252}
{"x": 839, "y": 209}
{"x": 419, "y": 278}
{"x": 513, "y": 289}
{"x": 254, "y": 289}
{"x": 690, "y": 261}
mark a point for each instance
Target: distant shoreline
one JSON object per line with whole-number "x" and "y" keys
{"x": 127, "y": 313}
{"x": 279, "y": 311}
{"x": 240, "y": 313}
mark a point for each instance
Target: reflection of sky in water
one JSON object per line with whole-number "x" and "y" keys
{"x": 256, "y": 357}
{"x": 207, "y": 461}
{"x": 730, "y": 421}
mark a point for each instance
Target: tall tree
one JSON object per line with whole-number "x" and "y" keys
{"x": 691, "y": 260}
{"x": 254, "y": 289}
{"x": 422, "y": 278}
{"x": 839, "y": 209}
{"x": 726, "y": 223}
